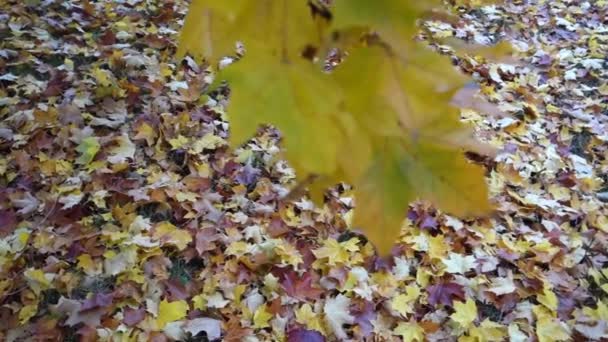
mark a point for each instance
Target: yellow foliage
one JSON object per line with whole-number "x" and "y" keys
{"x": 307, "y": 317}
{"x": 262, "y": 317}
{"x": 170, "y": 312}
{"x": 381, "y": 121}
{"x": 409, "y": 332}
{"x": 337, "y": 252}
{"x": 465, "y": 313}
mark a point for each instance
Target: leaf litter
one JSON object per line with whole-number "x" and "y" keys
{"x": 123, "y": 215}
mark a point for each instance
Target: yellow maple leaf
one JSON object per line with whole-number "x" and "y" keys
{"x": 102, "y": 76}
{"x": 38, "y": 280}
{"x": 396, "y": 138}
{"x": 209, "y": 141}
{"x": 145, "y": 132}
{"x": 465, "y": 313}
{"x": 337, "y": 252}
{"x": 28, "y": 312}
{"x": 549, "y": 329}
{"x": 404, "y": 303}
{"x": 199, "y": 302}
{"x": 409, "y": 332}
{"x": 171, "y": 312}
{"x": 262, "y": 317}
{"x": 183, "y": 196}
{"x": 288, "y": 254}
{"x": 599, "y": 313}
{"x": 86, "y": 263}
{"x": 548, "y": 299}
{"x": 165, "y": 231}
{"x": 488, "y": 331}
{"x": 125, "y": 149}
{"x": 307, "y": 317}
{"x": 178, "y": 142}
{"x": 438, "y": 247}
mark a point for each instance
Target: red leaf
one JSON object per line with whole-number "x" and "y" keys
{"x": 277, "y": 227}
{"x": 107, "y": 38}
{"x": 300, "y": 286}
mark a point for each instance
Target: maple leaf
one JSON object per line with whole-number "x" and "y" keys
{"x": 262, "y": 317}
{"x": 549, "y": 329}
{"x": 409, "y": 331}
{"x": 337, "y": 314}
{"x": 27, "y": 312}
{"x": 303, "y": 335}
{"x": 306, "y": 316}
{"x": 88, "y": 148}
{"x": 337, "y": 252}
{"x": 416, "y": 146}
{"x": 404, "y": 303}
{"x": 365, "y": 314}
{"x": 133, "y": 316}
{"x": 211, "y": 327}
{"x": 167, "y": 232}
{"x": 38, "y": 280}
{"x": 515, "y": 334}
{"x": 386, "y": 138}
{"x": 26, "y": 204}
{"x": 300, "y": 286}
{"x": 234, "y": 331}
{"x": 457, "y": 263}
{"x": 124, "y": 150}
{"x": 548, "y": 298}
{"x": 465, "y": 313}
{"x": 8, "y": 222}
{"x": 170, "y": 312}
{"x": 502, "y": 286}
{"x": 72, "y": 308}
{"x": 212, "y": 28}
{"x": 98, "y": 300}
{"x": 488, "y": 331}
{"x": 266, "y": 86}
{"x": 444, "y": 293}
{"x": 393, "y": 19}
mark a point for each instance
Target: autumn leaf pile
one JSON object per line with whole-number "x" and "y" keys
{"x": 124, "y": 215}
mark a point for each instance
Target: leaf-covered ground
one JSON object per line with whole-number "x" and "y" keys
{"x": 123, "y": 215}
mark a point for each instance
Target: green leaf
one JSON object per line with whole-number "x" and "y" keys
{"x": 88, "y": 148}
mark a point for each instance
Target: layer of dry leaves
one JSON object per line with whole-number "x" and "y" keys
{"x": 124, "y": 217}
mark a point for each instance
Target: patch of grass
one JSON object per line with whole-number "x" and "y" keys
{"x": 181, "y": 271}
